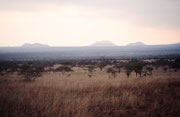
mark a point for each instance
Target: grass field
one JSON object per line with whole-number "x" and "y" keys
{"x": 77, "y": 95}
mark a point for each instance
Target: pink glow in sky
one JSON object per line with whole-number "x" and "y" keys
{"x": 82, "y": 22}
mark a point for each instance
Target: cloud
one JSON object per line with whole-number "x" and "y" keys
{"x": 158, "y": 13}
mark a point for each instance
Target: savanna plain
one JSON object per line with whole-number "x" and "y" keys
{"x": 97, "y": 88}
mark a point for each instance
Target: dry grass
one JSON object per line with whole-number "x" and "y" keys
{"x": 56, "y": 95}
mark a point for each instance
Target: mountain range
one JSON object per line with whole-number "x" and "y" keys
{"x": 136, "y": 44}
{"x": 97, "y": 44}
{"x": 96, "y": 50}
{"x": 35, "y": 45}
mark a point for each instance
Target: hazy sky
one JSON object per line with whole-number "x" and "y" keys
{"x": 82, "y": 22}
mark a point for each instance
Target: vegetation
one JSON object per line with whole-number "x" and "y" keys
{"x": 31, "y": 72}
{"x": 96, "y": 97}
{"x": 63, "y": 69}
{"x": 102, "y": 65}
{"x": 91, "y": 69}
{"x": 149, "y": 69}
{"x": 138, "y": 67}
{"x": 112, "y": 71}
{"x": 129, "y": 69}
{"x": 165, "y": 69}
{"x": 77, "y": 95}
{"x": 29, "y": 69}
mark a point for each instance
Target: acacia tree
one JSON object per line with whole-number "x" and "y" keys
{"x": 165, "y": 69}
{"x": 63, "y": 69}
{"x": 118, "y": 67}
{"x": 31, "y": 72}
{"x": 91, "y": 69}
{"x": 2, "y": 71}
{"x": 8, "y": 67}
{"x": 112, "y": 71}
{"x": 128, "y": 69}
{"x": 149, "y": 69}
{"x": 101, "y": 66}
{"x": 138, "y": 67}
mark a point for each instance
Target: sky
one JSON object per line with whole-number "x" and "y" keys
{"x": 83, "y": 22}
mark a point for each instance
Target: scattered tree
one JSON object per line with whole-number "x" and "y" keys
{"x": 138, "y": 67}
{"x": 91, "y": 69}
{"x": 63, "y": 69}
{"x": 112, "y": 71}
{"x": 101, "y": 66}
{"x": 165, "y": 69}
{"x": 31, "y": 72}
{"x": 128, "y": 69}
{"x": 118, "y": 67}
{"x": 149, "y": 69}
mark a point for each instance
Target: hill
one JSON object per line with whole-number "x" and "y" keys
{"x": 105, "y": 49}
{"x": 35, "y": 45}
{"x": 136, "y": 44}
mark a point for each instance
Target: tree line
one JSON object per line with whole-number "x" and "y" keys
{"x": 30, "y": 70}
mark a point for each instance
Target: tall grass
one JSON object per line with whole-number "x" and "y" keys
{"x": 55, "y": 95}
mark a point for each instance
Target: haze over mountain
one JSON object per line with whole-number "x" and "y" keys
{"x": 98, "y": 49}
{"x": 103, "y": 44}
{"x": 136, "y": 44}
{"x": 35, "y": 45}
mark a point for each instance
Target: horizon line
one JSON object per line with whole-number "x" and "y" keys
{"x": 91, "y": 45}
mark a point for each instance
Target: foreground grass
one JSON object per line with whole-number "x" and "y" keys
{"x": 83, "y": 97}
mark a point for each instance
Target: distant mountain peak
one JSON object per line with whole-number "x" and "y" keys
{"x": 136, "y": 44}
{"x": 104, "y": 43}
{"x": 35, "y": 45}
